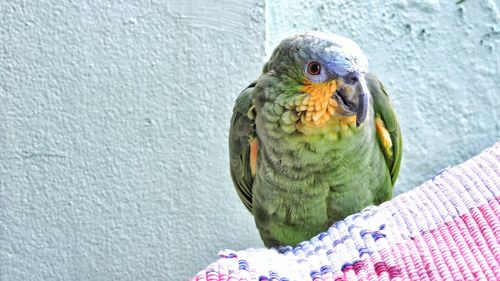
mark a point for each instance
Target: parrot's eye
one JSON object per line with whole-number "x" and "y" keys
{"x": 314, "y": 68}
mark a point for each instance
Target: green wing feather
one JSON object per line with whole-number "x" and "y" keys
{"x": 384, "y": 110}
{"x": 241, "y": 132}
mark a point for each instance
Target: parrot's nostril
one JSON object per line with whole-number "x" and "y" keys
{"x": 351, "y": 79}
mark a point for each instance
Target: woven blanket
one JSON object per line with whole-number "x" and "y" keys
{"x": 446, "y": 229}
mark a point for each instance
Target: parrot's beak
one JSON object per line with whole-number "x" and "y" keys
{"x": 364, "y": 94}
{"x": 353, "y": 98}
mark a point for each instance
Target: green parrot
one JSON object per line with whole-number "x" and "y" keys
{"x": 313, "y": 140}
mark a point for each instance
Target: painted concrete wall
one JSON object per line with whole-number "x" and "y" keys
{"x": 114, "y": 119}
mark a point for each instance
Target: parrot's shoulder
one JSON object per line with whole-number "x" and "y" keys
{"x": 386, "y": 125}
{"x": 243, "y": 145}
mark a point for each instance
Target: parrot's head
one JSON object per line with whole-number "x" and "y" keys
{"x": 323, "y": 74}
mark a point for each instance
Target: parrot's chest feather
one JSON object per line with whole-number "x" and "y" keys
{"x": 315, "y": 175}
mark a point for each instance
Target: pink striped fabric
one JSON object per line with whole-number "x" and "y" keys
{"x": 446, "y": 229}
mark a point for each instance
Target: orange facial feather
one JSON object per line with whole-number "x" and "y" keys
{"x": 318, "y": 107}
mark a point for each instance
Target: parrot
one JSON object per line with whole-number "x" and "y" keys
{"x": 314, "y": 139}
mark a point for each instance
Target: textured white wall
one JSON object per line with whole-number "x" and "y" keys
{"x": 114, "y": 119}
